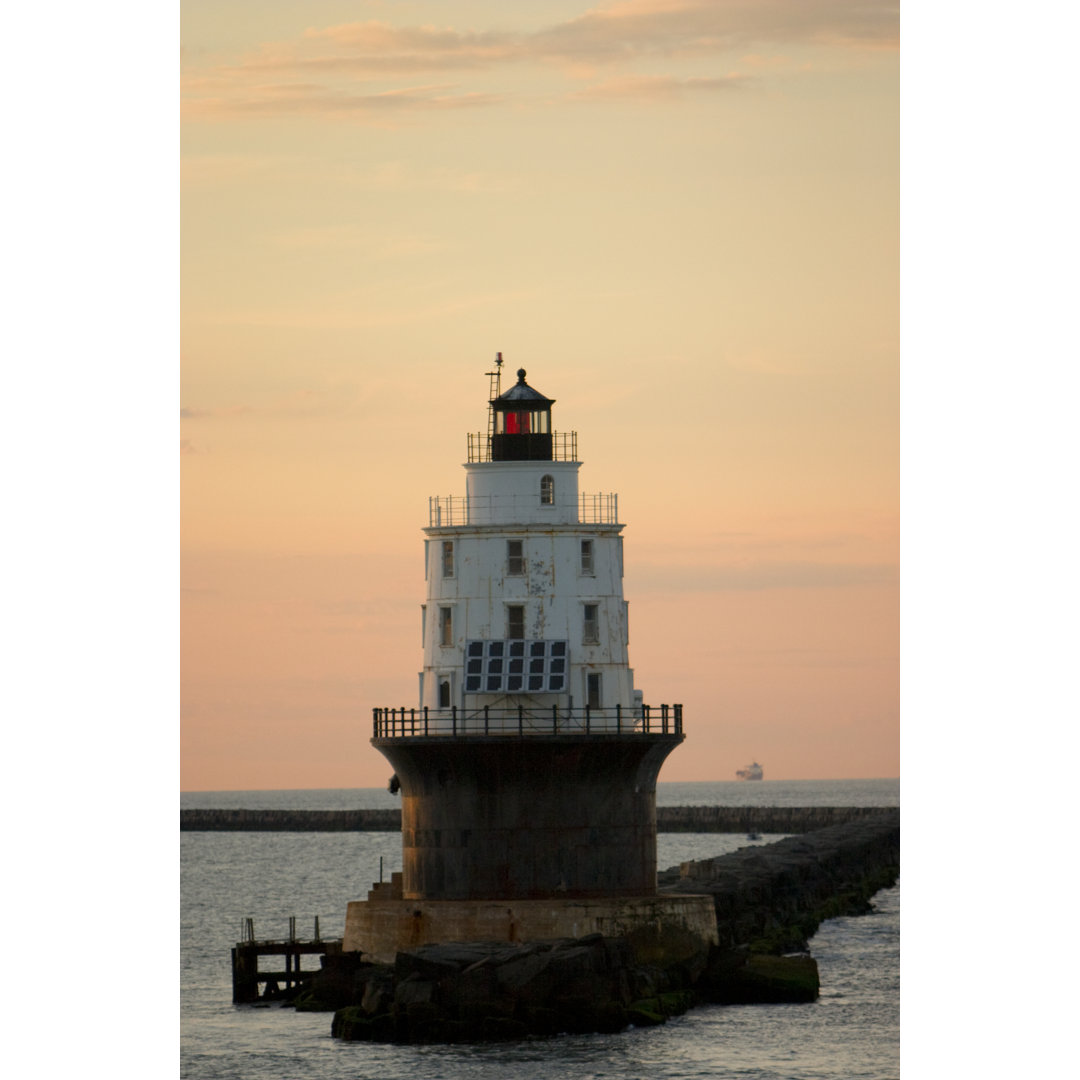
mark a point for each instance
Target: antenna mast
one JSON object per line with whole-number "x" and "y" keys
{"x": 494, "y": 390}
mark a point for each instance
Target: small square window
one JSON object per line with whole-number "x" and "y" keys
{"x": 587, "y": 557}
{"x": 515, "y": 558}
{"x": 590, "y": 631}
{"x": 594, "y": 695}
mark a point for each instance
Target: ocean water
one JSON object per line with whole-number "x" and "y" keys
{"x": 851, "y": 1032}
{"x": 704, "y": 793}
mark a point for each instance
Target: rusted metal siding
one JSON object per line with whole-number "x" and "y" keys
{"x": 570, "y": 816}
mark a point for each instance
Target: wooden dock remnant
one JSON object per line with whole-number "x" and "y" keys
{"x": 278, "y": 984}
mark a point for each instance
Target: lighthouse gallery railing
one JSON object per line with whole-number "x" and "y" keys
{"x": 425, "y": 722}
{"x": 601, "y": 508}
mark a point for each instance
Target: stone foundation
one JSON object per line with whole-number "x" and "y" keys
{"x": 662, "y": 930}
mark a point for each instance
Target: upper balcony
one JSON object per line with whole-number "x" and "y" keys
{"x": 601, "y": 508}
{"x": 563, "y": 447}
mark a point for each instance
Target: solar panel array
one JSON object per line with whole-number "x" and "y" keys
{"x": 515, "y": 666}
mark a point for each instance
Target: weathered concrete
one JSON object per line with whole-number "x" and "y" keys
{"x": 691, "y": 819}
{"x": 492, "y": 818}
{"x": 661, "y": 930}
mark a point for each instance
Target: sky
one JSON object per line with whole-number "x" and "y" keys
{"x": 681, "y": 218}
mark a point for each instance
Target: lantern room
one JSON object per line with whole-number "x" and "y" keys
{"x": 522, "y": 424}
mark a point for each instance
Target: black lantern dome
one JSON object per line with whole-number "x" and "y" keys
{"x": 522, "y": 428}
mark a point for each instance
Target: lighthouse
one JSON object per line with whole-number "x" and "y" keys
{"x": 527, "y": 769}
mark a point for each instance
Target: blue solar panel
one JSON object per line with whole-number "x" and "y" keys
{"x": 499, "y": 667}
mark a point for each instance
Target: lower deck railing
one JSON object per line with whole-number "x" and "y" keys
{"x": 523, "y": 720}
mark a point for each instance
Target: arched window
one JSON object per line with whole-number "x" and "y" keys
{"x": 444, "y": 694}
{"x": 547, "y": 491}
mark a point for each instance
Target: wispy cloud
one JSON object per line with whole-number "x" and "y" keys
{"x": 334, "y": 70}
{"x": 318, "y": 99}
{"x": 187, "y": 413}
{"x": 659, "y": 88}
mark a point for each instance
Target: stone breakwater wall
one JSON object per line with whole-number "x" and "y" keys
{"x": 290, "y": 820}
{"x": 772, "y": 898}
{"x": 768, "y": 900}
{"x": 690, "y": 819}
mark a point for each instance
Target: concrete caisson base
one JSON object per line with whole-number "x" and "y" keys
{"x": 662, "y": 930}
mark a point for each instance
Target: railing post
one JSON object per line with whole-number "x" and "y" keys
{"x": 521, "y": 720}
{"x": 554, "y": 719}
{"x": 375, "y": 723}
{"x": 426, "y": 721}
{"x": 618, "y": 718}
{"x": 317, "y": 938}
{"x": 663, "y": 718}
{"x": 412, "y": 720}
{"x": 645, "y": 717}
{"x": 485, "y": 720}
{"x": 453, "y": 718}
{"x": 588, "y": 717}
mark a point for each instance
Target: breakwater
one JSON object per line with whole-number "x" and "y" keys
{"x": 689, "y": 819}
{"x": 768, "y": 900}
{"x": 772, "y": 898}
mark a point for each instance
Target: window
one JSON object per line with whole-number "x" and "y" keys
{"x": 444, "y": 693}
{"x": 515, "y": 558}
{"x": 590, "y": 633}
{"x": 515, "y": 620}
{"x": 446, "y": 627}
{"x": 448, "y": 558}
{"x": 586, "y": 557}
{"x": 593, "y": 690}
{"x": 547, "y": 491}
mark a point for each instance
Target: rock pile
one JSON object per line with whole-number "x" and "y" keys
{"x": 769, "y": 901}
{"x": 491, "y": 991}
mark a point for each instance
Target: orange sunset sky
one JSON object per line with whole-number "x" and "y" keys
{"x": 682, "y": 218}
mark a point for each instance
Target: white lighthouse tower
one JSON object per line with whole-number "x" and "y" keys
{"x": 524, "y": 606}
{"x": 528, "y": 769}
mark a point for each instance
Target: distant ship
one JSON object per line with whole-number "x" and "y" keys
{"x": 751, "y": 772}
